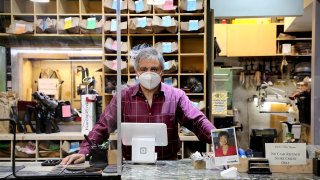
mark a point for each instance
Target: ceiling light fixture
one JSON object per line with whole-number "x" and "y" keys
{"x": 40, "y": 1}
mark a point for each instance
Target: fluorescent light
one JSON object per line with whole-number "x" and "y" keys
{"x": 40, "y": 1}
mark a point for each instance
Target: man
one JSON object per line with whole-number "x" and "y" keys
{"x": 153, "y": 102}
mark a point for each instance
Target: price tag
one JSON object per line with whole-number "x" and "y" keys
{"x": 155, "y": 2}
{"x": 168, "y": 5}
{"x": 166, "y": 47}
{"x": 139, "y": 5}
{"x": 20, "y": 28}
{"x": 142, "y": 22}
{"x": 114, "y": 4}
{"x": 191, "y": 5}
{"x": 91, "y": 23}
{"x": 113, "y": 25}
{"x": 166, "y": 21}
{"x": 67, "y": 23}
{"x": 193, "y": 25}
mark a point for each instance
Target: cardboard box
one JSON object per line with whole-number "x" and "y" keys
{"x": 112, "y": 156}
{"x": 307, "y": 168}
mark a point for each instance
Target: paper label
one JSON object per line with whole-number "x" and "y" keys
{"x": 48, "y": 86}
{"x": 193, "y": 25}
{"x": 114, "y": 45}
{"x": 166, "y": 21}
{"x": 191, "y": 5}
{"x": 113, "y": 25}
{"x": 166, "y": 65}
{"x": 114, "y": 4}
{"x": 91, "y": 23}
{"x": 168, "y": 5}
{"x": 142, "y": 22}
{"x": 67, "y": 23}
{"x": 66, "y": 111}
{"x": 166, "y": 47}
{"x": 20, "y": 28}
{"x": 139, "y": 5}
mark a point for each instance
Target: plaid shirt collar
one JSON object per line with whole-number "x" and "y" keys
{"x": 137, "y": 89}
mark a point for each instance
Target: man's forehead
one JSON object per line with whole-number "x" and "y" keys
{"x": 149, "y": 62}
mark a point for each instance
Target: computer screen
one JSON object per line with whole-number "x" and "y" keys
{"x": 158, "y": 131}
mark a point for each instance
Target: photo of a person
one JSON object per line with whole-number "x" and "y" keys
{"x": 225, "y": 148}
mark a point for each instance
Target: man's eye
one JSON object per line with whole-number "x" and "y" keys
{"x": 154, "y": 69}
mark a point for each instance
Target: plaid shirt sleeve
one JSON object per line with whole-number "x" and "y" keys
{"x": 193, "y": 119}
{"x": 102, "y": 129}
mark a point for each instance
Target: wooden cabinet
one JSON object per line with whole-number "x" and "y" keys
{"x": 220, "y": 32}
{"x": 251, "y": 40}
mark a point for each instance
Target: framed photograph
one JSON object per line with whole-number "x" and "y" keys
{"x": 224, "y": 146}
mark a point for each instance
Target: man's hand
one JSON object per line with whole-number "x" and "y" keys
{"x": 73, "y": 158}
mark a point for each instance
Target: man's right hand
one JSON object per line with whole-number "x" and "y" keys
{"x": 73, "y": 158}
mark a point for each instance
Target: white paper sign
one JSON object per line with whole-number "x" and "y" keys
{"x": 48, "y": 86}
{"x": 286, "y": 153}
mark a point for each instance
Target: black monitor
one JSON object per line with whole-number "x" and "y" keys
{"x": 259, "y": 137}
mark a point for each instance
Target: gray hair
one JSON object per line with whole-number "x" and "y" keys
{"x": 148, "y": 53}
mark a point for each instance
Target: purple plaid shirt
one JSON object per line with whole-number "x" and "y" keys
{"x": 170, "y": 106}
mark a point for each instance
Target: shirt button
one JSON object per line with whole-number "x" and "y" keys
{"x": 146, "y": 100}
{"x": 149, "y": 113}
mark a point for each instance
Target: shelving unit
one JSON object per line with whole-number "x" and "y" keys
{"x": 59, "y": 138}
{"x": 190, "y": 54}
{"x": 300, "y": 43}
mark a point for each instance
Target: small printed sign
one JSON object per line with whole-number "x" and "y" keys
{"x": 286, "y": 153}
{"x": 219, "y": 103}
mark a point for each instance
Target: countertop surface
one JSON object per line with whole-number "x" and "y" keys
{"x": 181, "y": 169}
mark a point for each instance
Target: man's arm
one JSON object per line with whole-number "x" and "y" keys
{"x": 193, "y": 119}
{"x": 102, "y": 128}
{"x": 100, "y": 132}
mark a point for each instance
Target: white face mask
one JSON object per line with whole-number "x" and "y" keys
{"x": 149, "y": 80}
